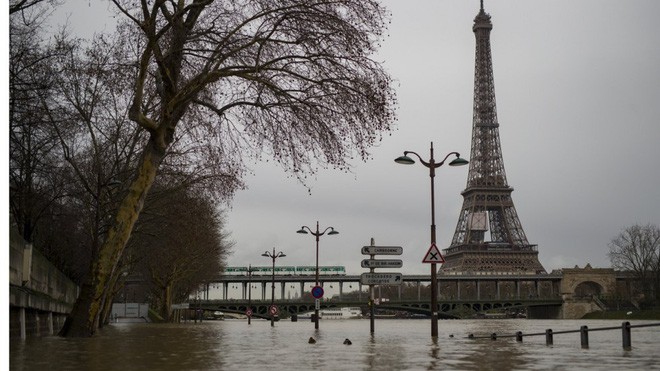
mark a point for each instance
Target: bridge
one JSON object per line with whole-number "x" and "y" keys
{"x": 569, "y": 293}
{"x": 446, "y": 308}
{"x": 454, "y": 287}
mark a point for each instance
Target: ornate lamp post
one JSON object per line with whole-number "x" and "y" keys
{"x": 272, "y": 295}
{"x": 432, "y": 165}
{"x": 317, "y": 234}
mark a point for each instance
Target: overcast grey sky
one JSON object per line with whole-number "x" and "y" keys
{"x": 578, "y": 98}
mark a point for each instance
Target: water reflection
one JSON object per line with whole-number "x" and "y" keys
{"x": 434, "y": 354}
{"x": 396, "y": 345}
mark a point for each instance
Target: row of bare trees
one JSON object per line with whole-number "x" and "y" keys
{"x": 72, "y": 153}
{"x": 123, "y": 145}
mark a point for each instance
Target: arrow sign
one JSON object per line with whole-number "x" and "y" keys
{"x": 383, "y": 263}
{"x": 381, "y": 278}
{"x": 433, "y": 255}
{"x": 382, "y": 250}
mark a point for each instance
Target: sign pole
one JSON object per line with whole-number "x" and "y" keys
{"x": 371, "y": 294}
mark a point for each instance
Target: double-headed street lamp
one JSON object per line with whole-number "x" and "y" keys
{"x": 317, "y": 234}
{"x": 272, "y": 308}
{"x": 432, "y": 165}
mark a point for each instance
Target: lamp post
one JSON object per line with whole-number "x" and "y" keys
{"x": 249, "y": 310}
{"x": 272, "y": 294}
{"x": 432, "y": 165}
{"x": 317, "y": 234}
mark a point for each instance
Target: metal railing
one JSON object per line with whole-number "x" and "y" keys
{"x": 626, "y": 336}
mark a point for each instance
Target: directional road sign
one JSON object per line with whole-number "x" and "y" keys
{"x": 433, "y": 255}
{"x": 381, "y": 278}
{"x": 382, "y": 263}
{"x": 382, "y": 250}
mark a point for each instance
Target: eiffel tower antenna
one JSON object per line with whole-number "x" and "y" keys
{"x": 487, "y": 203}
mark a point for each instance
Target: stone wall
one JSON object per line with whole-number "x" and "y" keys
{"x": 40, "y": 296}
{"x": 580, "y": 288}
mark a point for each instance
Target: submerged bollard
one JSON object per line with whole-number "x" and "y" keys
{"x": 519, "y": 336}
{"x": 584, "y": 337}
{"x": 625, "y": 336}
{"x": 493, "y": 336}
{"x": 548, "y": 337}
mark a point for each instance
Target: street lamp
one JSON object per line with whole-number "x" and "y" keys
{"x": 432, "y": 165}
{"x": 272, "y": 296}
{"x": 317, "y": 234}
{"x": 248, "y": 311}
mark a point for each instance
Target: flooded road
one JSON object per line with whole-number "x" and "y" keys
{"x": 396, "y": 345}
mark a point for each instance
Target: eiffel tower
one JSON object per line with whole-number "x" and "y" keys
{"x": 487, "y": 204}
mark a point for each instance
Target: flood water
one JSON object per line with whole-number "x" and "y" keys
{"x": 396, "y": 345}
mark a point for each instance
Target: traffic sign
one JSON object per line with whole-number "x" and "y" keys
{"x": 248, "y": 312}
{"x": 382, "y": 263}
{"x": 273, "y": 310}
{"x": 381, "y": 278}
{"x": 433, "y": 255}
{"x": 317, "y": 292}
{"x": 382, "y": 250}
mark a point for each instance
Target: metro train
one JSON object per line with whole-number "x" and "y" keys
{"x": 288, "y": 270}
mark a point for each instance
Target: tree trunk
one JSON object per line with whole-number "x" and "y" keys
{"x": 83, "y": 320}
{"x": 166, "y": 304}
{"x": 114, "y": 288}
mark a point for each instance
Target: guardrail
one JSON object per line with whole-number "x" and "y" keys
{"x": 626, "y": 336}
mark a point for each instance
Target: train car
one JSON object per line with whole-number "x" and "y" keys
{"x": 332, "y": 270}
{"x": 285, "y": 270}
{"x": 306, "y": 270}
{"x": 236, "y": 271}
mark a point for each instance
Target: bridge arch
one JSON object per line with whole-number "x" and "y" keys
{"x": 583, "y": 282}
{"x": 588, "y": 288}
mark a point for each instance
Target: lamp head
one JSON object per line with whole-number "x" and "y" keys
{"x": 282, "y": 255}
{"x": 332, "y": 231}
{"x": 301, "y": 231}
{"x": 265, "y": 254}
{"x": 459, "y": 162}
{"x": 404, "y": 160}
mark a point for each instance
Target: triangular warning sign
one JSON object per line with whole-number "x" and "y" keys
{"x": 433, "y": 255}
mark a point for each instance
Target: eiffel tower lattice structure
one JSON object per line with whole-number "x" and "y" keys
{"x": 487, "y": 204}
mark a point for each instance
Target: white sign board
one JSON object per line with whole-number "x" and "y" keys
{"x": 382, "y": 250}
{"x": 381, "y": 278}
{"x": 382, "y": 263}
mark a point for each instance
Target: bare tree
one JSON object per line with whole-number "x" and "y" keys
{"x": 637, "y": 249}
{"x": 179, "y": 245}
{"x": 16, "y": 6}
{"x": 34, "y": 172}
{"x": 282, "y": 78}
